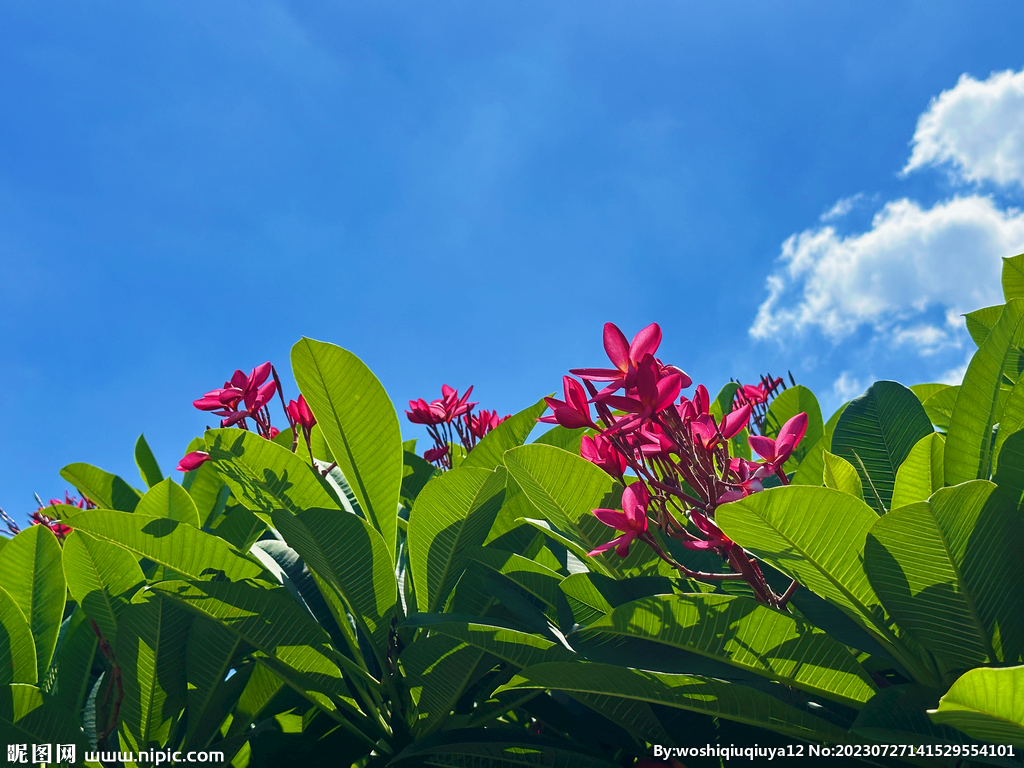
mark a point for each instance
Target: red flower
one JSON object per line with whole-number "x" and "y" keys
{"x": 777, "y": 451}
{"x": 435, "y": 454}
{"x": 192, "y": 460}
{"x": 632, "y": 520}
{"x": 300, "y": 413}
{"x": 654, "y": 393}
{"x": 59, "y": 529}
{"x": 483, "y": 422}
{"x": 574, "y": 411}
{"x": 250, "y": 389}
{"x": 425, "y": 413}
{"x": 600, "y": 451}
{"x": 715, "y": 537}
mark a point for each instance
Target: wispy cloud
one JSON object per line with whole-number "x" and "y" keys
{"x": 842, "y": 207}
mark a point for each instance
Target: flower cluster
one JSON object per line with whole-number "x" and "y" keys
{"x": 449, "y": 417}
{"x": 245, "y": 397}
{"x": 677, "y": 449}
{"x": 60, "y": 530}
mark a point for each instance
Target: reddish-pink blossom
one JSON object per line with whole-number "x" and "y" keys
{"x": 626, "y": 358}
{"x": 435, "y": 454}
{"x": 300, "y": 414}
{"x": 777, "y": 451}
{"x": 60, "y": 530}
{"x": 192, "y": 460}
{"x": 600, "y": 451}
{"x": 715, "y": 537}
{"x": 632, "y": 520}
{"x": 574, "y": 411}
{"x": 481, "y": 423}
{"x": 654, "y": 393}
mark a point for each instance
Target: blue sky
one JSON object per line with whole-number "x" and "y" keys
{"x": 464, "y": 193}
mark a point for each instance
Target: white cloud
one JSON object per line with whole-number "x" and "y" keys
{"x": 846, "y": 387}
{"x": 977, "y": 127}
{"x": 842, "y": 207}
{"x": 910, "y": 261}
{"x": 955, "y": 375}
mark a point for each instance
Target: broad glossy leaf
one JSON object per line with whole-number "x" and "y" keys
{"x": 898, "y": 715}
{"x": 168, "y": 499}
{"x": 841, "y": 475}
{"x": 691, "y": 692}
{"x": 739, "y": 631}
{"x": 939, "y": 406}
{"x": 211, "y": 652}
{"x": 177, "y": 545}
{"x": 264, "y": 476}
{"x": 980, "y": 322}
{"x": 34, "y": 578}
{"x": 986, "y": 704}
{"x": 924, "y": 391}
{"x": 498, "y": 748}
{"x": 514, "y": 646}
{"x": 1013, "y": 277}
{"x": 537, "y": 580}
{"x": 875, "y": 434}
{"x": 76, "y": 650}
{"x": 786, "y": 405}
{"x": 208, "y": 490}
{"x": 150, "y": 651}
{"x": 592, "y": 595}
{"x": 812, "y": 466}
{"x": 921, "y": 474}
{"x": 102, "y": 488}
{"x": 27, "y": 716}
{"x": 1011, "y": 419}
{"x": 360, "y": 425}
{"x": 270, "y": 620}
{"x": 817, "y": 536}
{"x": 17, "y": 651}
{"x": 349, "y": 555}
{"x": 566, "y": 439}
{"x": 146, "y": 462}
{"x": 977, "y": 408}
{"x": 438, "y": 669}
{"x": 102, "y": 577}
{"x": 566, "y": 489}
{"x": 416, "y": 473}
{"x": 830, "y": 425}
{"x": 454, "y": 511}
{"x": 931, "y": 565}
{"x": 510, "y": 433}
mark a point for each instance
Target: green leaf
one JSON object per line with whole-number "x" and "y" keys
{"x": 566, "y": 439}
{"x": 736, "y": 630}
{"x": 150, "y": 652}
{"x": 264, "y": 476}
{"x": 566, "y": 489}
{"x": 931, "y": 565}
{"x": 102, "y": 488}
{"x": 1011, "y": 419}
{"x": 454, "y": 511}
{"x": 786, "y": 405}
{"x": 812, "y": 466}
{"x": 350, "y": 556}
{"x": 102, "y": 577}
{"x": 537, "y": 580}
{"x": 816, "y": 536}
{"x": 26, "y": 715}
{"x": 34, "y": 578}
{"x": 437, "y": 670}
{"x": 510, "y": 433}
{"x": 921, "y": 474}
{"x": 76, "y": 650}
{"x": 270, "y": 620}
{"x": 168, "y": 499}
{"x": 898, "y": 715}
{"x": 924, "y": 391}
{"x": 211, "y": 651}
{"x": 830, "y": 425}
{"x": 690, "y": 692}
{"x": 146, "y": 461}
{"x": 1013, "y": 277}
{"x": 592, "y": 595}
{"x": 417, "y": 473}
{"x": 981, "y": 321}
{"x": 939, "y": 407}
{"x": 977, "y": 408}
{"x": 723, "y": 401}
{"x": 176, "y": 545}
{"x": 986, "y": 704}
{"x": 841, "y": 475}
{"x": 17, "y": 650}
{"x": 875, "y": 434}
{"x": 514, "y": 646}
{"x": 360, "y": 425}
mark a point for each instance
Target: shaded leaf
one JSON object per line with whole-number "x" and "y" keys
{"x": 146, "y": 462}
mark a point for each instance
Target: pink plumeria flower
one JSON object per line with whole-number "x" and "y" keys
{"x": 715, "y": 536}
{"x": 192, "y": 460}
{"x": 626, "y": 358}
{"x": 776, "y": 452}
{"x": 434, "y": 455}
{"x": 654, "y": 393}
{"x": 632, "y": 520}
{"x": 574, "y": 411}
{"x": 599, "y": 451}
{"x": 300, "y": 414}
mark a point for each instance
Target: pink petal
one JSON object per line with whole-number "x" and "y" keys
{"x": 701, "y": 399}
{"x": 794, "y": 429}
{"x": 616, "y": 347}
{"x": 597, "y": 374}
{"x": 570, "y": 418}
{"x": 622, "y": 550}
{"x": 735, "y": 421}
{"x": 604, "y": 547}
{"x": 646, "y": 342}
{"x": 259, "y": 374}
{"x": 613, "y": 518}
{"x": 668, "y": 391}
{"x": 192, "y": 460}
{"x": 763, "y": 446}
{"x": 627, "y": 404}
